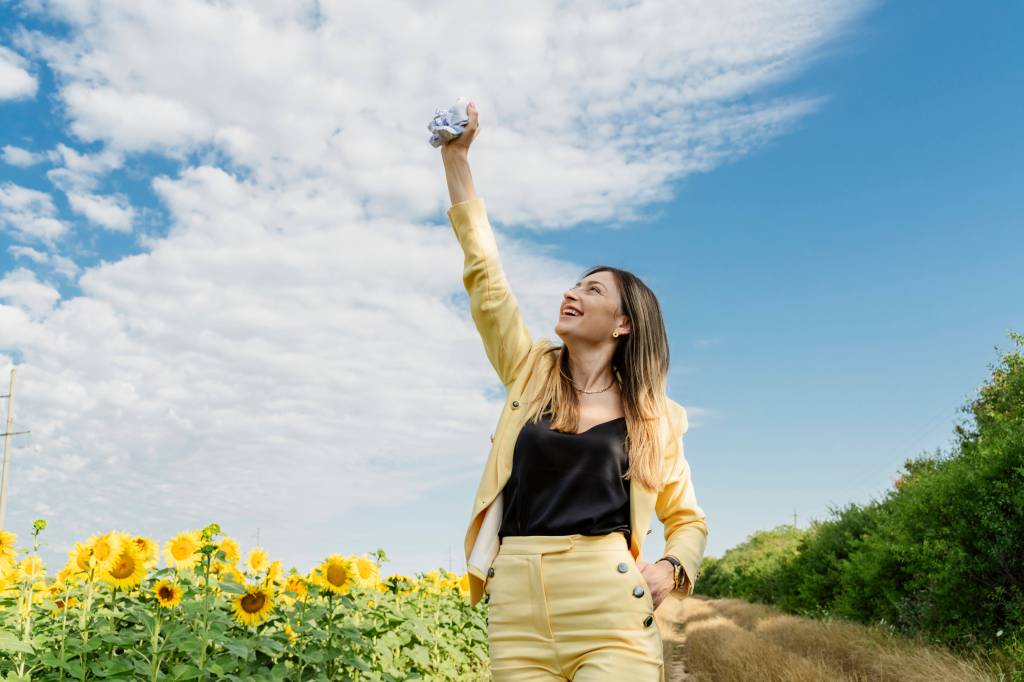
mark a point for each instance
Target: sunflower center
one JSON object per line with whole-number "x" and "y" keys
{"x": 124, "y": 567}
{"x": 181, "y": 551}
{"x": 336, "y": 575}
{"x": 253, "y": 602}
{"x": 165, "y": 593}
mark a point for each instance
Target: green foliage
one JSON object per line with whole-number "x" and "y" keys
{"x": 404, "y": 628}
{"x": 942, "y": 555}
{"x": 752, "y": 570}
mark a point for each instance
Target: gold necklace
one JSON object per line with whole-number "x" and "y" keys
{"x": 592, "y": 392}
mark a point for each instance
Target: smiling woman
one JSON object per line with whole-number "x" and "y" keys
{"x": 588, "y": 445}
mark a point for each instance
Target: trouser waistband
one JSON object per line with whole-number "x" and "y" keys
{"x": 544, "y": 544}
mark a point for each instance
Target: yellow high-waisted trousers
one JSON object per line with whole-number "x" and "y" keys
{"x": 571, "y": 607}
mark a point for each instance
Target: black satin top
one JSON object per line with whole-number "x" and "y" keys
{"x": 565, "y": 483}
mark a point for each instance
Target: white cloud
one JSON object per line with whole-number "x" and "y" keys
{"x": 28, "y": 252}
{"x": 21, "y": 288}
{"x": 80, "y": 172}
{"x": 23, "y": 158}
{"x": 296, "y": 350}
{"x": 15, "y": 81}
{"x": 61, "y": 265}
{"x": 111, "y": 212}
{"x": 29, "y": 213}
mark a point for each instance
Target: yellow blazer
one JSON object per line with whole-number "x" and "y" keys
{"x": 518, "y": 361}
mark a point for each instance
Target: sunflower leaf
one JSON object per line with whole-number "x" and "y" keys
{"x": 185, "y": 671}
{"x": 10, "y": 642}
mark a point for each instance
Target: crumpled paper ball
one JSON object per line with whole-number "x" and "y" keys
{"x": 447, "y": 125}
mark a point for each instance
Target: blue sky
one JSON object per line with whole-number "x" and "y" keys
{"x": 836, "y": 248}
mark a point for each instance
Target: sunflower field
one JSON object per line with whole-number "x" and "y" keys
{"x": 211, "y": 613}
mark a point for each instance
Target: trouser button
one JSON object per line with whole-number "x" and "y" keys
{"x": 490, "y": 572}
{"x": 638, "y": 591}
{"x": 623, "y": 567}
{"x": 648, "y": 620}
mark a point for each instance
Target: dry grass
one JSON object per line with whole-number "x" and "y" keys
{"x": 729, "y": 640}
{"x": 720, "y": 650}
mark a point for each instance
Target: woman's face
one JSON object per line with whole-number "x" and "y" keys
{"x": 589, "y": 310}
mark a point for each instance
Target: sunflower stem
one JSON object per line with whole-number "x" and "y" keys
{"x": 206, "y": 612}
{"x": 154, "y": 668}
{"x": 64, "y": 625}
{"x": 83, "y": 620}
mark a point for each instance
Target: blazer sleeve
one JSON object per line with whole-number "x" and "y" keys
{"x": 686, "y": 530}
{"x": 492, "y": 304}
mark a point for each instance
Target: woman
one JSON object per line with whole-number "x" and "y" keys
{"x": 556, "y": 531}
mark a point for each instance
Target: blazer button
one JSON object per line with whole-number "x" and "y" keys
{"x": 515, "y": 404}
{"x": 648, "y": 620}
{"x": 638, "y": 591}
{"x": 623, "y": 567}
{"x": 487, "y": 597}
{"x": 490, "y": 572}
{"x": 492, "y": 437}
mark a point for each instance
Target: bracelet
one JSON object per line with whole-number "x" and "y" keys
{"x": 677, "y": 569}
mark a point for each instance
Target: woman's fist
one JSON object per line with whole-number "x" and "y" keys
{"x": 461, "y": 143}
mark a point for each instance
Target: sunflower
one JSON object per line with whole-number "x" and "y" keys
{"x": 292, "y": 635}
{"x": 335, "y": 574}
{"x": 148, "y": 550}
{"x": 103, "y": 550}
{"x": 366, "y": 571}
{"x": 219, "y": 568}
{"x": 168, "y": 594}
{"x": 56, "y": 591}
{"x": 128, "y": 569}
{"x": 431, "y": 582}
{"x": 61, "y": 605}
{"x": 32, "y": 567}
{"x": 9, "y": 577}
{"x": 253, "y": 606}
{"x": 274, "y": 571}
{"x": 232, "y": 552}
{"x": 464, "y": 585}
{"x": 400, "y": 584}
{"x": 295, "y": 584}
{"x": 257, "y": 560}
{"x": 66, "y": 576}
{"x": 182, "y": 551}
{"x": 8, "y": 550}
{"x": 78, "y": 557}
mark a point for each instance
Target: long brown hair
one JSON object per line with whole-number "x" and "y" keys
{"x": 640, "y": 363}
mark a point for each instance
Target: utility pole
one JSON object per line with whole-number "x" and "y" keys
{"x": 7, "y": 447}
{"x": 794, "y": 518}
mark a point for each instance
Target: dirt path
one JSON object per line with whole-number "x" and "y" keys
{"x": 729, "y": 640}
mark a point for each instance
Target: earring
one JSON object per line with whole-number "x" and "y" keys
{"x": 615, "y": 334}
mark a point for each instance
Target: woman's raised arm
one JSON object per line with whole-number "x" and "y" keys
{"x": 492, "y": 304}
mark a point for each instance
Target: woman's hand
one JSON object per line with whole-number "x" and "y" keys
{"x": 460, "y": 145}
{"x": 660, "y": 578}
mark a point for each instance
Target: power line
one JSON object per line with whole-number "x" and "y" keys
{"x": 858, "y": 484}
{"x": 6, "y": 435}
